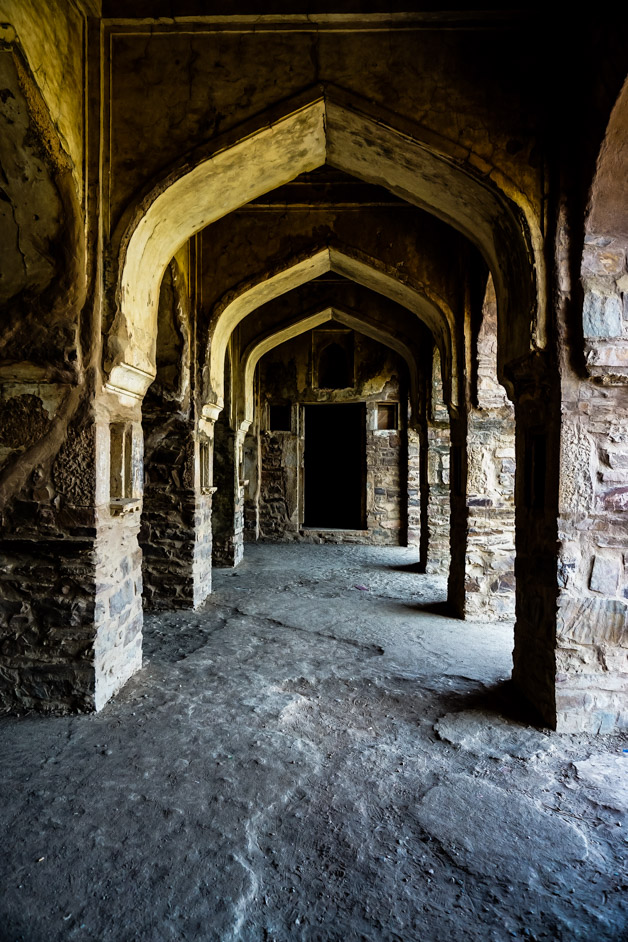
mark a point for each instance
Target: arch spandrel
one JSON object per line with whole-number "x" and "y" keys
{"x": 338, "y": 129}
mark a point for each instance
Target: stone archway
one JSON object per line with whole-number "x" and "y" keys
{"x": 256, "y": 351}
{"x": 434, "y": 313}
{"x": 322, "y": 126}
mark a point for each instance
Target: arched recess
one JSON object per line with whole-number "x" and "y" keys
{"x": 438, "y": 317}
{"x": 323, "y": 126}
{"x": 604, "y": 270}
{"x": 255, "y": 351}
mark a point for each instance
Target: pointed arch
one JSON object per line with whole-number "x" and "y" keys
{"x": 324, "y": 125}
{"x": 274, "y": 338}
{"x": 435, "y": 314}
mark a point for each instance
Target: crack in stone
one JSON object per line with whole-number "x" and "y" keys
{"x": 349, "y": 642}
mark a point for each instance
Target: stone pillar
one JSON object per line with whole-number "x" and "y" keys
{"x": 252, "y": 462}
{"x": 489, "y": 586}
{"x": 537, "y": 417}
{"x": 489, "y": 590}
{"x": 228, "y": 507}
{"x": 571, "y": 634}
{"x": 176, "y": 535}
{"x": 386, "y": 480}
{"x": 71, "y": 575}
{"x": 592, "y": 621}
{"x": 459, "y": 513}
{"x": 436, "y": 470}
{"x": 591, "y": 660}
{"x": 414, "y": 486}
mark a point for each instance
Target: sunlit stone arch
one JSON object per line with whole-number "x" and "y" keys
{"x": 323, "y": 126}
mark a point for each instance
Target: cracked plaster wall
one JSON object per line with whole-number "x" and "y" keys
{"x": 53, "y": 38}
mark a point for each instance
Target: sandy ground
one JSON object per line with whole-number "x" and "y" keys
{"x": 304, "y": 759}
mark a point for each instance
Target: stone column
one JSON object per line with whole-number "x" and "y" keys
{"x": 592, "y": 619}
{"x": 414, "y": 486}
{"x": 537, "y": 418}
{"x": 176, "y": 535}
{"x": 489, "y": 589}
{"x": 437, "y": 478}
{"x": 252, "y": 461}
{"x": 489, "y": 586}
{"x": 459, "y": 525}
{"x": 228, "y": 507}
{"x": 592, "y": 605}
{"x": 571, "y": 634}
{"x": 71, "y": 575}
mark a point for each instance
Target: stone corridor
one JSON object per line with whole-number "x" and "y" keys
{"x": 318, "y": 753}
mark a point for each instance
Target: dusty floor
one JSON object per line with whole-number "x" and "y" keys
{"x": 305, "y": 759}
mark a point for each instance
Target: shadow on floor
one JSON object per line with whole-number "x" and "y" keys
{"x": 502, "y": 700}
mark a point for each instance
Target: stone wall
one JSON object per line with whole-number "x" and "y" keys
{"x": 71, "y": 582}
{"x": 47, "y": 583}
{"x": 386, "y": 485}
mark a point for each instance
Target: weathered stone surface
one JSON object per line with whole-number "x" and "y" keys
{"x": 593, "y": 621}
{"x": 469, "y": 730}
{"x": 23, "y": 420}
{"x": 464, "y": 812}
{"x": 74, "y": 470}
{"x": 602, "y": 315}
{"x": 607, "y": 779}
{"x": 605, "y": 575}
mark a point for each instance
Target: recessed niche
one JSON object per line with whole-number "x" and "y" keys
{"x": 387, "y": 416}
{"x": 279, "y": 418}
{"x": 205, "y": 470}
{"x": 121, "y": 461}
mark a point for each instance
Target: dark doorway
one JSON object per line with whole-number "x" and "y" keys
{"x": 335, "y": 466}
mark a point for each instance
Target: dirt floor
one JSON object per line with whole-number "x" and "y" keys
{"x": 318, "y": 754}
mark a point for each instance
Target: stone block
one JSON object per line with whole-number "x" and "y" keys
{"x": 603, "y": 260}
{"x": 592, "y": 621}
{"x": 602, "y": 315}
{"x": 120, "y": 599}
{"x": 605, "y": 575}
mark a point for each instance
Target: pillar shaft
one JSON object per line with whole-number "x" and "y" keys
{"x": 489, "y": 585}
{"x": 228, "y": 508}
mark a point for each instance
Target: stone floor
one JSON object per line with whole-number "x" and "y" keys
{"x": 318, "y": 754}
